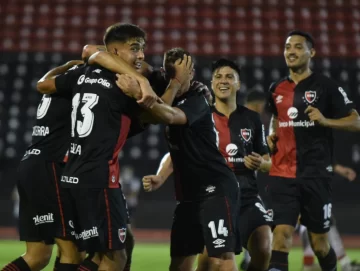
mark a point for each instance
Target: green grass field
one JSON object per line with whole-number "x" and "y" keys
{"x": 145, "y": 257}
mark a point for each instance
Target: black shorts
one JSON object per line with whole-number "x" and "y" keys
{"x": 251, "y": 216}
{"x": 100, "y": 220}
{"x": 308, "y": 197}
{"x": 210, "y": 223}
{"x": 43, "y": 211}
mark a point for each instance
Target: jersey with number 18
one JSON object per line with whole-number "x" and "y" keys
{"x": 100, "y": 122}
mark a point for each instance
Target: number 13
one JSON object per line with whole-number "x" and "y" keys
{"x": 83, "y": 128}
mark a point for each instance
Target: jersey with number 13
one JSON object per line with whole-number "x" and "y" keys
{"x": 100, "y": 121}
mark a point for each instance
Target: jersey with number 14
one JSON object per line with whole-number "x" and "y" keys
{"x": 100, "y": 122}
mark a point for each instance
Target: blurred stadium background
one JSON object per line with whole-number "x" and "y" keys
{"x": 37, "y": 35}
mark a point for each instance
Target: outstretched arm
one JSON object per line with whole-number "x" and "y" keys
{"x": 154, "y": 182}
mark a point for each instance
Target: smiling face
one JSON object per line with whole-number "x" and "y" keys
{"x": 297, "y": 52}
{"x": 225, "y": 83}
{"x": 132, "y": 51}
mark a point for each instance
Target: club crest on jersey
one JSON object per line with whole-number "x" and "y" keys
{"x": 310, "y": 96}
{"x": 245, "y": 134}
{"x": 122, "y": 234}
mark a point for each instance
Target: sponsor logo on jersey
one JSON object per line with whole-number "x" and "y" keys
{"x": 343, "y": 93}
{"x": 231, "y": 149}
{"x": 97, "y": 71}
{"x": 69, "y": 179}
{"x": 122, "y": 234}
{"x": 86, "y": 234}
{"x": 292, "y": 113}
{"x": 310, "y": 96}
{"x": 40, "y": 131}
{"x": 42, "y": 219}
{"x": 101, "y": 81}
{"x": 279, "y": 99}
{"x": 33, "y": 152}
{"x": 245, "y": 134}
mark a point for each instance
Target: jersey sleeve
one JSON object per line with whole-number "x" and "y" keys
{"x": 260, "y": 144}
{"x": 194, "y": 107}
{"x": 64, "y": 83}
{"x": 341, "y": 104}
{"x": 270, "y": 99}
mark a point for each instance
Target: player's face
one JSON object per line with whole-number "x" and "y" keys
{"x": 297, "y": 53}
{"x": 225, "y": 83}
{"x": 132, "y": 51}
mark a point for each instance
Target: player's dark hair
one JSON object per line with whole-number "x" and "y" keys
{"x": 122, "y": 32}
{"x": 255, "y": 96}
{"x": 309, "y": 39}
{"x": 223, "y": 62}
{"x": 170, "y": 58}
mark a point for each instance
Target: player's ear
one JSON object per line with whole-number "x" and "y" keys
{"x": 312, "y": 52}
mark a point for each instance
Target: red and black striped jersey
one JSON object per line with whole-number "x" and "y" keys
{"x": 305, "y": 148}
{"x": 200, "y": 171}
{"x": 240, "y": 135}
{"x": 100, "y": 121}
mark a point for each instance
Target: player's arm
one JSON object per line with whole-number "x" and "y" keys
{"x": 153, "y": 182}
{"x": 118, "y": 65}
{"x": 346, "y": 172}
{"x": 259, "y": 159}
{"x": 47, "y": 85}
{"x": 344, "y": 116}
{"x": 349, "y": 123}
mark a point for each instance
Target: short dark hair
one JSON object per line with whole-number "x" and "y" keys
{"x": 255, "y": 96}
{"x": 170, "y": 58}
{"x": 223, "y": 62}
{"x": 122, "y": 32}
{"x": 309, "y": 39}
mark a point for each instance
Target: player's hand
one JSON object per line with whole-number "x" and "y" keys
{"x": 148, "y": 96}
{"x": 152, "y": 182}
{"x": 271, "y": 141}
{"x": 183, "y": 69}
{"x": 345, "y": 172}
{"x": 89, "y": 50}
{"x": 129, "y": 85}
{"x": 253, "y": 161}
{"x": 315, "y": 115}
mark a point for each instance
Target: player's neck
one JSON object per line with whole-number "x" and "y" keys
{"x": 251, "y": 106}
{"x": 225, "y": 107}
{"x": 297, "y": 75}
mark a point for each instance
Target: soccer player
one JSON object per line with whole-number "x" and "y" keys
{"x": 43, "y": 213}
{"x": 242, "y": 143}
{"x": 305, "y": 106}
{"x": 100, "y": 118}
{"x": 206, "y": 188}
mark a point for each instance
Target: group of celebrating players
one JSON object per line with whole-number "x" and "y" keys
{"x": 68, "y": 179}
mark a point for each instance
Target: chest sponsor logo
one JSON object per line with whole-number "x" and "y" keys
{"x": 210, "y": 189}
{"x": 292, "y": 113}
{"x": 310, "y": 96}
{"x": 245, "y": 134}
{"x": 231, "y": 149}
{"x": 101, "y": 81}
{"x": 42, "y": 219}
